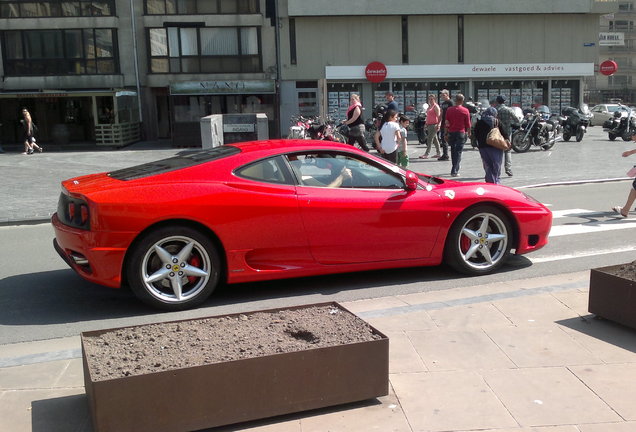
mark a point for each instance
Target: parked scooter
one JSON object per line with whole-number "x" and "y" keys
{"x": 621, "y": 126}
{"x": 540, "y": 128}
{"x": 576, "y": 123}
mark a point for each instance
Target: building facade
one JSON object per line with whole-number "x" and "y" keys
{"x": 114, "y": 71}
{"x": 617, "y": 42}
{"x": 532, "y": 53}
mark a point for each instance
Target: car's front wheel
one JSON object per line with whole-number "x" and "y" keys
{"x": 173, "y": 268}
{"x": 479, "y": 241}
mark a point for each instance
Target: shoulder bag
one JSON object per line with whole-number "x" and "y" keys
{"x": 495, "y": 139}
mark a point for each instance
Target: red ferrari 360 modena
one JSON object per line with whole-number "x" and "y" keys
{"x": 173, "y": 229}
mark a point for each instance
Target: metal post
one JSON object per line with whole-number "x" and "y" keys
{"x": 134, "y": 42}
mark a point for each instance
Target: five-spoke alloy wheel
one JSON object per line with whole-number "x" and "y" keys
{"x": 479, "y": 241}
{"x": 174, "y": 268}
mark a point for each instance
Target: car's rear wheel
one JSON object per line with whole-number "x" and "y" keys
{"x": 173, "y": 268}
{"x": 479, "y": 241}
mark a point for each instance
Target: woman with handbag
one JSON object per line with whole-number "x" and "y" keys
{"x": 491, "y": 156}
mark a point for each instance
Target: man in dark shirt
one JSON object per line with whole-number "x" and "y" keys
{"x": 445, "y": 103}
{"x": 458, "y": 130}
{"x": 391, "y": 104}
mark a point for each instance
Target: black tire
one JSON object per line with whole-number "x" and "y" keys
{"x": 518, "y": 145}
{"x": 470, "y": 248}
{"x": 566, "y": 136}
{"x": 611, "y": 136}
{"x": 182, "y": 260}
{"x": 626, "y": 138}
{"x": 579, "y": 135}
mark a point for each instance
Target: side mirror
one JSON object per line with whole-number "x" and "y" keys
{"x": 412, "y": 180}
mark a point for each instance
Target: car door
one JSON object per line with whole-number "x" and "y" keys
{"x": 368, "y": 216}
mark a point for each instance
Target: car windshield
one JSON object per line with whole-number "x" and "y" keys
{"x": 173, "y": 163}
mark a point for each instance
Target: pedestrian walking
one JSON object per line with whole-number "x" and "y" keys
{"x": 445, "y": 104}
{"x": 433, "y": 121}
{"x": 403, "y": 150}
{"x": 457, "y": 126}
{"x": 355, "y": 122}
{"x": 491, "y": 157}
{"x": 507, "y": 118}
{"x": 631, "y": 197}
{"x": 29, "y": 129}
{"x": 387, "y": 137}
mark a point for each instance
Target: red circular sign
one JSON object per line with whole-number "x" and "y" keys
{"x": 375, "y": 72}
{"x": 608, "y": 67}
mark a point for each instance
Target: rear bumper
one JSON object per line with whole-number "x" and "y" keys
{"x": 97, "y": 257}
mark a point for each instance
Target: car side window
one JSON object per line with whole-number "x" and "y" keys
{"x": 334, "y": 170}
{"x": 267, "y": 170}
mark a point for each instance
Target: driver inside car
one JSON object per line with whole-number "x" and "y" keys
{"x": 339, "y": 173}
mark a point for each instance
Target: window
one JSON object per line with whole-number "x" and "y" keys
{"x": 56, "y": 8}
{"x": 195, "y": 7}
{"x": 621, "y": 25}
{"x": 323, "y": 169}
{"x": 269, "y": 170}
{"x": 60, "y": 52}
{"x": 204, "y": 50}
{"x": 625, "y": 7}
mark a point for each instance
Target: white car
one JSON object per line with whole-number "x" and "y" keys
{"x": 604, "y": 112}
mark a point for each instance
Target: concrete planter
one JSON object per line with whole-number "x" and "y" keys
{"x": 217, "y": 394}
{"x": 612, "y": 297}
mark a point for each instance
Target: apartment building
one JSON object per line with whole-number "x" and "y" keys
{"x": 114, "y": 71}
{"x": 617, "y": 42}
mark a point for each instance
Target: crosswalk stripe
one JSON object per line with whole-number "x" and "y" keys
{"x": 556, "y": 214}
{"x": 563, "y": 230}
{"x": 579, "y": 254}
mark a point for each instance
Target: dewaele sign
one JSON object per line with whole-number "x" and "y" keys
{"x": 512, "y": 70}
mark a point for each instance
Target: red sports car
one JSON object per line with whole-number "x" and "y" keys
{"x": 172, "y": 230}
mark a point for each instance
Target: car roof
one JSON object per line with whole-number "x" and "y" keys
{"x": 290, "y": 145}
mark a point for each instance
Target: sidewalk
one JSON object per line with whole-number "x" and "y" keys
{"x": 522, "y": 356}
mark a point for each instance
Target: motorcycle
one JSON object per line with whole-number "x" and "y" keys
{"x": 299, "y": 127}
{"x": 621, "y": 126}
{"x": 419, "y": 125}
{"x": 540, "y": 128}
{"x": 575, "y": 123}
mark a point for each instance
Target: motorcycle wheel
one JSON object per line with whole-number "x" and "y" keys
{"x": 611, "y": 136}
{"x": 626, "y": 138}
{"x": 422, "y": 137}
{"x": 579, "y": 135}
{"x": 518, "y": 144}
{"x": 567, "y": 136}
{"x": 547, "y": 146}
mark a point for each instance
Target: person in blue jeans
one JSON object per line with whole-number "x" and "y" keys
{"x": 457, "y": 125}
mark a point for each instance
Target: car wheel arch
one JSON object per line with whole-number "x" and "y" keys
{"x": 180, "y": 223}
{"x": 499, "y": 206}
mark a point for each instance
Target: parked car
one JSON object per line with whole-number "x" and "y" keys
{"x": 603, "y": 112}
{"x": 174, "y": 229}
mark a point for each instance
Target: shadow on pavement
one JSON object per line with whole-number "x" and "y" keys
{"x": 604, "y": 330}
{"x": 61, "y": 414}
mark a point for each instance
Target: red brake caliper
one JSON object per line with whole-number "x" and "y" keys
{"x": 464, "y": 243}
{"x": 194, "y": 261}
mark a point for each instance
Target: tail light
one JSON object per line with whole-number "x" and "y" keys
{"x": 73, "y": 212}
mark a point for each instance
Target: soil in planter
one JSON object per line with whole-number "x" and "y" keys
{"x": 167, "y": 346}
{"x": 626, "y": 271}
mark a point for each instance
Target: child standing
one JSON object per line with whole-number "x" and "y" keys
{"x": 403, "y": 154}
{"x": 387, "y": 137}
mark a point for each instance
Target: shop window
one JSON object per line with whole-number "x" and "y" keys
{"x": 60, "y": 52}
{"x": 204, "y": 50}
{"x": 338, "y": 95}
{"x": 56, "y": 8}
{"x": 195, "y": 7}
